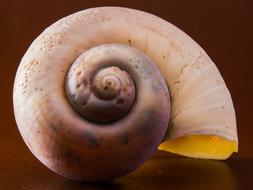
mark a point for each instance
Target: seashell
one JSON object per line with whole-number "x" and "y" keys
{"x": 100, "y": 90}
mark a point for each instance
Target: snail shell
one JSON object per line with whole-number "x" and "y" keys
{"x": 91, "y": 97}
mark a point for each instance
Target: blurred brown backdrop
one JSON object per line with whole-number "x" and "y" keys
{"x": 223, "y": 28}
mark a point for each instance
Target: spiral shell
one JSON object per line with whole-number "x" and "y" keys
{"x": 59, "y": 81}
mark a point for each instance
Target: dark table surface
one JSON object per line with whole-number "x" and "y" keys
{"x": 20, "y": 170}
{"x": 223, "y": 28}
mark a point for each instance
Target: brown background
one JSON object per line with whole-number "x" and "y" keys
{"x": 223, "y": 28}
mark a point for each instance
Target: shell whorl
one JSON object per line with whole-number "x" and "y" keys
{"x": 98, "y": 84}
{"x": 106, "y": 81}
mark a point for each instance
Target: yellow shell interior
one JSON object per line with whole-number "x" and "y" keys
{"x": 201, "y": 146}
